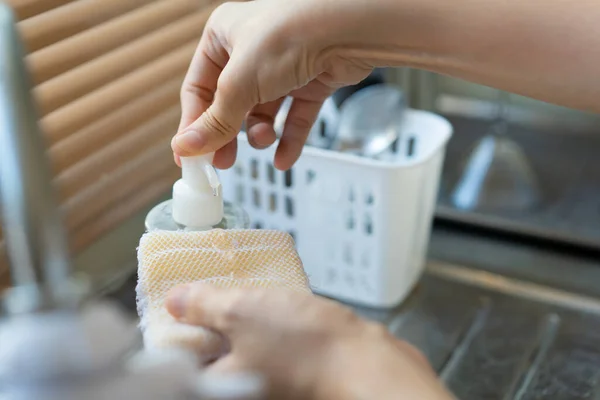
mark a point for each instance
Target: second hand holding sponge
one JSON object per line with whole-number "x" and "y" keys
{"x": 224, "y": 258}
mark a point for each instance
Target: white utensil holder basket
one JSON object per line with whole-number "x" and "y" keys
{"x": 361, "y": 225}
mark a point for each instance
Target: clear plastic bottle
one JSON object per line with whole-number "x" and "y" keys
{"x": 161, "y": 217}
{"x": 197, "y": 202}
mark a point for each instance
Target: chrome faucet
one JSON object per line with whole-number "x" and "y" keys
{"x": 38, "y": 360}
{"x": 33, "y": 230}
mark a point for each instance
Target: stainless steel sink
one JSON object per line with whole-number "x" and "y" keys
{"x": 491, "y": 335}
{"x": 500, "y": 320}
{"x": 494, "y": 338}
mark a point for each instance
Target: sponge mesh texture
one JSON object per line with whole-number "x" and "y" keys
{"x": 224, "y": 258}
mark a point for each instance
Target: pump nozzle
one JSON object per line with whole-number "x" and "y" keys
{"x": 213, "y": 179}
{"x": 197, "y": 199}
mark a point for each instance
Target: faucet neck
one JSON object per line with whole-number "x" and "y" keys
{"x": 36, "y": 240}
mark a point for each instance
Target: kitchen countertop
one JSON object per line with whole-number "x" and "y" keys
{"x": 499, "y": 319}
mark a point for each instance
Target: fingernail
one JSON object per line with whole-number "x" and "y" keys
{"x": 263, "y": 141}
{"x": 177, "y": 301}
{"x": 189, "y": 142}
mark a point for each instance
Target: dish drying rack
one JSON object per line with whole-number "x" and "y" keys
{"x": 361, "y": 225}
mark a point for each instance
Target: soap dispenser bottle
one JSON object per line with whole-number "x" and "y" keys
{"x": 197, "y": 203}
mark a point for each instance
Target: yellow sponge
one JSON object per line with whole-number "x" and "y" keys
{"x": 224, "y": 258}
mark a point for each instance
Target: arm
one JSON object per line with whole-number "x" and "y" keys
{"x": 255, "y": 53}
{"x": 545, "y": 50}
{"x": 308, "y": 348}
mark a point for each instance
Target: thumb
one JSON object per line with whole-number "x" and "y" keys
{"x": 235, "y": 96}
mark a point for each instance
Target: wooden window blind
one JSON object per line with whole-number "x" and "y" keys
{"x": 107, "y": 75}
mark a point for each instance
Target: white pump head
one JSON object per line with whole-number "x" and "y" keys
{"x": 197, "y": 197}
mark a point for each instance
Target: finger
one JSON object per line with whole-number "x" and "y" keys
{"x": 413, "y": 353}
{"x": 300, "y": 119}
{"x": 316, "y": 90}
{"x": 235, "y": 95}
{"x": 200, "y": 82}
{"x": 261, "y": 133}
{"x": 226, "y": 365}
{"x": 219, "y": 309}
{"x": 225, "y": 156}
{"x": 208, "y": 345}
